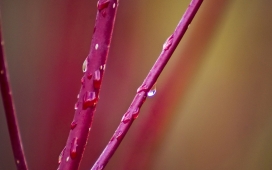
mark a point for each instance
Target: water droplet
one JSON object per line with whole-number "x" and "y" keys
{"x": 84, "y": 66}
{"x": 143, "y": 87}
{"x": 152, "y": 91}
{"x": 73, "y": 125}
{"x": 118, "y": 135}
{"x": 61, "y": 155}
{"x": 73, "y": 151}
{"x": 168, "y": 43}
{"x": 17, "y": 161}
{"x": 76, "y": 106}
{"x": 97, "y": 79}
{"x": 127, "y": 117}
{"x": 67, "y": 159}
{"x": 89, "y": 76}
{"x": 96, "y": 46}
{"x": 89, "y": 100}
{"x": 102, "y": 67}
{"x": 83, "y": 82}
{"x": 77, "y": 96}
{"x": 113, "y": 6}
{"x": 102, "y": 4}
{"x": 135, "y": 113}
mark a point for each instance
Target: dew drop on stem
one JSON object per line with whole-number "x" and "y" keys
{"x": 168, "y": 43}
{"x": 152, "y": 91}
{"x": 73, "y": 149}
{"x": 135, "y": 113}
{"x": 73, "y": 125}
{"x": 89, "y": 99}
{"x": 127, "y": 117}
{"x": 61, "y": 155}
{"x": 84, "y": 66}
{"x": 102, "y": 4}
{"x": 89, "y": 76}
{"x": 97, "y": 79}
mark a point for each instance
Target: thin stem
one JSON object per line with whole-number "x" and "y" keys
{"x": 13, "y": 127}
{"x": 93, "y": 68}
{"x": 133, "y": 111}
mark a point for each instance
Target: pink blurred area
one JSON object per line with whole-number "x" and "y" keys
{"x": 213, "y": 105}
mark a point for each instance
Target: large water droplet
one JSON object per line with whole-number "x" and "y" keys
{"x": 102, "y": 4}
{"x": 152, "y": 91}
{"x": 73, "y": 151}
{"x": 97, "y": 79}
{"x": 89, "y": 99}
{"x": 168, "y": 43}
{"x": 84, "y": 66}
{"x": 73, "y": 125}
{"x": 61, "y": 155}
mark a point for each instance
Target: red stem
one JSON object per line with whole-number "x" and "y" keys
{"x": 133, "y": 111}
{"x": 13, "y": 127}
{"x": 93, "y": 67}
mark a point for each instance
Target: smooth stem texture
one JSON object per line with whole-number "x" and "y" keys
{"x": 13, "y": 127}
{"x": 93, "y": 67}
{"x": 133, "y": 111}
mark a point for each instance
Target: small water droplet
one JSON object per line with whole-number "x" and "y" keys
{"x": 143, "y": 87}
{"x": 89, "y": 76}
{"x": 127, "y": 117}
{"x": 118, "y": 135}
{"x": 102, "y": 67}
{"x": 73, "y": 151}
{"x": 61, "y": 155}
{"x": 17, "y": 161}
{"x": 96, "y": 46}
{"x": 97, "y": 79}
{"x": 102, "y": 4}
{"x": 168, "y": 43}
{"x": 83, "y": 82}
{"x": 89, "y": 129}
{"x": 113, "y": 6}
{"x": 135, "y": 113}
{"x": 73, "y": 125}
{"x": 84, "y": 66}
{"x": 152, "y": 91}
{"x": 67, "y": 159}
{"x": 89, "y": 100}
{"x": 77, "y": 96}
{"x": 76, "y": 106}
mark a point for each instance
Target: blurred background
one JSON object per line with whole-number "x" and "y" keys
{"x": 213, "y": 106}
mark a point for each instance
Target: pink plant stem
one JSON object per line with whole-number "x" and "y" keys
{"x": 133, "y": 111}
{"x": 9, "y": 107}
{"x": 93, "y": 68}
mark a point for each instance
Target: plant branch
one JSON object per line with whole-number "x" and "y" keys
{"x": 133, "y": 111}
{"x": 13, "y": 127}
{"x": 93, "y": 68}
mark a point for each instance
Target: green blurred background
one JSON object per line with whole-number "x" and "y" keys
{"x": 213, "y": 107}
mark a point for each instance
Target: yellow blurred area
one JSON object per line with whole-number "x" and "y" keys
{"x": 213, "y": 107}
